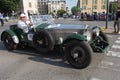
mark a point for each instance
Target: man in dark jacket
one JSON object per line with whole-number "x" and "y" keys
{"x": 117, "y": 22}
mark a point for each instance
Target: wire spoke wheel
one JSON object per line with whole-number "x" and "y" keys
{"x": 8, "y": 42}
{"x": 78, "y": 54}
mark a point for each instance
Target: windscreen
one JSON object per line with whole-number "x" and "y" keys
{"x": 40, "y": 19}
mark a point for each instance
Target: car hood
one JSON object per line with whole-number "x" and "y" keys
{"x": 66, "y": 26}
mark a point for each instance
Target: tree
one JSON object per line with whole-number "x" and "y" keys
{"x": 74, "y": 10}
{"x": 61, "y": 12}
{"x": 7, "y": 6}
{"x": 113, "y": 7}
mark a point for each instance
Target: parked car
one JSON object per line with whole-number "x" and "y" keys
{"x": 77, "y": 42}
{"x": 46, "y": 17}
{"x": 102, "y": 17}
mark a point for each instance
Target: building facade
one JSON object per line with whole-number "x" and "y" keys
{"x": 93, "y": 6}
{"x": 118, "y": 3}
{"x": 55, "y": 5}
{"x": 42, "y": 6}
{"x": 28, "y": 7}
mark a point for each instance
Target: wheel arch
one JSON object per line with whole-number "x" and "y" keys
{"x": 74, "y": 37}
{"x": 14, "y": 36}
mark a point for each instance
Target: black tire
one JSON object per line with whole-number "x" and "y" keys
{"x": 8, "y": 42}
{"x": 83, "y": 51}
{"x": 104, "y": 36}
{"x": 43, "y": 41}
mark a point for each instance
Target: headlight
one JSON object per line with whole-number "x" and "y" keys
{"x": 96, "y": 30}
{"x": 88, "y": 35}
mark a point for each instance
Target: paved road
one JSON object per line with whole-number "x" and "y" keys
{"x": 28, "y": 65}
{"x": 91, "y": 23}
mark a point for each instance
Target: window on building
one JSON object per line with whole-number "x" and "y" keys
{"x": 30, "y": 5}
{"x": 85, "y": 1}
{"x": 62, "y": 5}
{"x": 103, "y": 7}
{"x": 95, "y": 7}
{"x": 62, "y": 8}
{"x": 84, "y": 7}
{"x": 95, "y": 1}
{"x": 52, "y": 2}
{"x": 104, "y": 1}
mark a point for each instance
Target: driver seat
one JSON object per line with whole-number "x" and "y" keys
{"x": 19, "y": 32}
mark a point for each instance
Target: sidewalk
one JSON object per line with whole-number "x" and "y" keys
{"x": 13, "y": 20}
{"x": 109, "y": 30}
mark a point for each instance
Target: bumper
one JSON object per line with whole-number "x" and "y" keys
{"x": 99, "y": 45}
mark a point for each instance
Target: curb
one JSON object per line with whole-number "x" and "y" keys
{"x": 108, "y": 30}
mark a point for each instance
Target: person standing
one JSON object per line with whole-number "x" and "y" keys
{"x": 117, "y": 22}
{"x": 1, "y": 19}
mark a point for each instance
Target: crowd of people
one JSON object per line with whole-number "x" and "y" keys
{"x": 96, "y": 16}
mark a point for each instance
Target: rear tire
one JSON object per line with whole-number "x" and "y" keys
{"x": 8, "y": 42}
{"x": 78, "y": 54}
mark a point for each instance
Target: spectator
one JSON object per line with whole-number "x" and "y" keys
{"x": 117, "y": 22}
{"x": 1, "y": 19}
{"x": 110, "y": 16}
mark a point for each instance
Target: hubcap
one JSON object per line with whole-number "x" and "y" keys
{"x": 78, "y": 54}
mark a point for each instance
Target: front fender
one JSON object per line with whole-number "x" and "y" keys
{"x": 13, "y": 35}
{"x": 74, "y": 36}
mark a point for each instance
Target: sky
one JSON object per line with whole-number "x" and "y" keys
{"x": 71, "y": 3}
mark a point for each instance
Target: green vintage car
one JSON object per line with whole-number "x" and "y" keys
{"x": 77, "y": 42}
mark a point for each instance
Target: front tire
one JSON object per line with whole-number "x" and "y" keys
{"x": 43, "y": 41}
{"x": 78, "y": 54}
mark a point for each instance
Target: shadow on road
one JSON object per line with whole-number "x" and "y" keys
{"x": 2, "y": 46}
{"x": 54, "y": 58}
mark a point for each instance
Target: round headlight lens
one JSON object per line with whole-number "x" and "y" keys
{"x": 97, "y": 31}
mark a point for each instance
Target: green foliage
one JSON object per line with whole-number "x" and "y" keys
{"x": 74, "y": 10}
{"x": 61, "y": 12}
{"x": 7, "y": 6}
{"x": 51, "y": 13}
{"x": 113, "y": 7}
